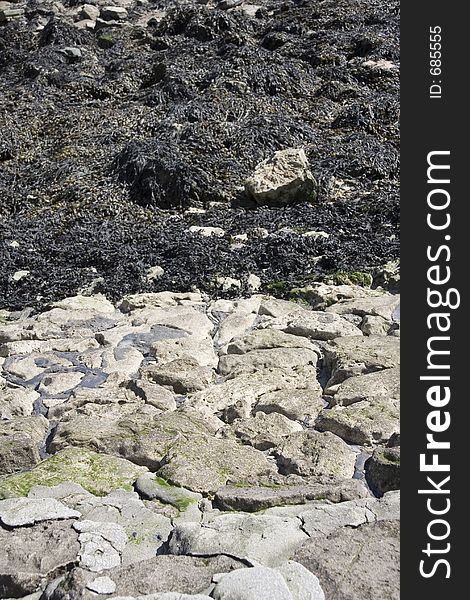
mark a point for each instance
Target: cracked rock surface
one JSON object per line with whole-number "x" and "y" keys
{"x": 194, "y": 476}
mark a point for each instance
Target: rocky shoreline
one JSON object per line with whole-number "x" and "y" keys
{"x": 177, "y": 447}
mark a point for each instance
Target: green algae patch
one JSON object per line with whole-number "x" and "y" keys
{"x": 99, "y": 474}
{"x": 349, "y": 278}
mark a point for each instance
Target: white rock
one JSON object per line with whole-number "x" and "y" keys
{"x": 207, "y": 231}
{"x": 102, "y": 585}
{"x": 16, "y": 512}
{"x": 154, "y": 273}
{"x": 254, "y": 282}
{"x": 282, "y": 179}
{"x": 302, "y": 584}
{"x": 257, "y": 583}
{"x": 20, "y": 275}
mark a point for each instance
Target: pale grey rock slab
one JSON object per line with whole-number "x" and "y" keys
{"x": 296, "y": 404}
{"x": 373, "y": 548}
{"x": 385, "y": 383}
{"x": 368, "y": 422}
{"x": 255, "y": 360}
{"x": 302, "y": 584}
{"x": 256, "y": 583}
{"x": 266, "y": 539}
{"x": 378, "y": 306}
{"x": 17, "y": 512}
{"x": 253, "y": 499}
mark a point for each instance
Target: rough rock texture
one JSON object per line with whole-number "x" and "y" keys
{"x": 253, "y": 499}
{"x": 31, "y": 556}
{"x": 349, "y": 356}
{"x": 373, "y": 550}
{"x": 383, "y": 470}
{"x": 310, "y": 453}
{"x": 282, "y": 179}
{"x": 265, "y": 539}
{"x": 170, "y": 446}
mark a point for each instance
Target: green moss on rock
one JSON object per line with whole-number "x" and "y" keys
{"x": 97, "y": 473}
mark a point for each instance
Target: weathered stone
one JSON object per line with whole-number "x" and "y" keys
{"x": 151, "y": 393}
{"x": 367, "y": 423}
{"x": 207, "y": 231}
{"x": 292, "y": 403}
{"x": 89, "y": 11}
{"x": 267, "y": 339}
{"x": 315, "y": 325}
{"x": 302, "y": 584}
{"x": 234, "y": 325}
{"x": 102, "y": 585}
{"x": 372, "y": 325}
{"x": 100, "y": 544}
{"x": 111, "y": 394}
{"x": 146, "y": 529}
{"x": 265, "y": 539}
{"x": 15, "y": 401}
{"x": 97, "y": 473}
{"x": 183, "y": 574}
{"x": 264, "y": 431}
{"x": 139, "y": 433}
{"x": 383, "y": 306}
{"x": 257, "y": 583}
{"x": 182, "y": 375}
{"x": 280, "y": 358}
{"x": 16, "y": 512}
{"x": 155, "y": 488}
{"x": 385, "y": 383}
{"x": 383, "y": 470}
{"x": 374, "y": 550}
{"x": 58, "y": 383}
{"x": 282, "y": 179}
{"x": 310, "y": 453}
{"x": 33, "y": 556}
{"x": 188, "y": 348}
{"x": 134, "y": 302}
{"x": 321, "y": 295}
{"x": 205, "y": 463}
{"x": 349, "y": 356}
{"x": 113, "y": 13}
{"x": 248, "y": 388}
{"x": 19, "y": 443}
{"x": 253, "y": 499}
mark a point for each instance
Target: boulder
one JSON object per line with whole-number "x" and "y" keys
{"x": 205, "y": 463}
{"x": 33, "y": 556}
{"x": 263, "y": 431}
{"x": 383, "y": 470}
{"x": 349, "y": 356}
{"x": 296, "y": 404}
{"x": 283, "y": 179}
{"x": 314, "y": 454}
{"x": 367, "y": 423}
{"x": 20, "y": 440}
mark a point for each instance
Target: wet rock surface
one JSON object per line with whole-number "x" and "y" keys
{"x": 179, "y": 476}
{"x": 127, "y": 128}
